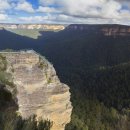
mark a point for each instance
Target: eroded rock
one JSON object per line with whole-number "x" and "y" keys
{"x": 39, "y": 91}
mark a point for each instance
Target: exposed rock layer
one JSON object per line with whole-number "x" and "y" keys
{"x": 116, "y": 31}
{"x": 107, "y": 30}
{"x": 33, "y": 26}
{"x": 39, "y": 91}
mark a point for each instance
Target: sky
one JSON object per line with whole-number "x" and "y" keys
{"x": 65, "y": 11}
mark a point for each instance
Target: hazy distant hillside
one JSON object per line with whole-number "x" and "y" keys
{"x": 33, "y": 33}
{"x": 14, "y": 41}
{"x": 31, "y": 30}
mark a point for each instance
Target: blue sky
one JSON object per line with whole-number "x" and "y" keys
{"x": 65, "y": 11}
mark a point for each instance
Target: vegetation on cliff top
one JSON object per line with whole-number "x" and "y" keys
{"x": 31, "y": 33}
{"x": 5, "y": 78}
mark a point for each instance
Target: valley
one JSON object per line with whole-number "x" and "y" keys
{"x": 94, "y": 61}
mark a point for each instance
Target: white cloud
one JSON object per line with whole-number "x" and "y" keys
{"x": 109, "y": 9}
{"x": 25, "y": 6}
{"x": 33, "y": 19}
{"x": 47, "y": 10}
{"x": 69, "y": 11}
{"x": 4, "y": 5}
{"x": 3, "y": 17}
{"x": 62, "y": 19}
{"x": 91, "y": 11}
{"x": 47, "y": 2}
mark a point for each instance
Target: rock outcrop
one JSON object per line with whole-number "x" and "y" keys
{"x": 39, "y": 91}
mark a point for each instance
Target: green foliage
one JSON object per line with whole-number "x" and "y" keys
{"x": 90, "y": 114}
{"x": 87, "y": 61}
{"x": 3, "y": 63}
{"x": 49, "y": 80}
{"x": 101, "y": 98}
{"x": 97, "y": 69}
{"x": 41, "y": 65}
{"x": 5, "y": 78}
{"x": 8, "y": 50}
{"x": 31, "y": 33}
{"x": 110, "y": 86}
{"x": 13, "y": 122}
{"x": 9, "y": 120}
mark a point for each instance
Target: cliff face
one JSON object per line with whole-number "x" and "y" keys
{"x": 39, "y": 91}
{"x": 107, "y": 30}
{"x": 116, "y": 31}
{"x": 33, "y": 26}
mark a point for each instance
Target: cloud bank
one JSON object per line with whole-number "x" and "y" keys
{"x": 66, "y": 11}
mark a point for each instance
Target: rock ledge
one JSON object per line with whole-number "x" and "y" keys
{"x": 39, "y": 91}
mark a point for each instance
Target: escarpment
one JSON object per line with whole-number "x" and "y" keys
{"x": 39, "y": 91}
{"x": 33, "y": 26}
{"x": 116, "y": 31}
{"x": 106, "y": 30}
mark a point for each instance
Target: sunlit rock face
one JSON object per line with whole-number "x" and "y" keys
{"x": 39, "y": 91}
{"x": 33, "y": 26}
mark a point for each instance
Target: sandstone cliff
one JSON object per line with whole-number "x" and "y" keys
{"x": 39, "y": 91}
{"x": 33, "y": 26}
{"x": 116, "y": 31}
{"x": 107, "y": 30}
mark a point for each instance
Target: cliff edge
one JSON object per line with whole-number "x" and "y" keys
{"x": 39, "y": 91}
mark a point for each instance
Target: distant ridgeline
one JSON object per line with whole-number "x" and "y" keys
{"x": 33, "y": 26}
{"x": 31, "y": 30}
{"x": 34, "y": 30}
{"x": 107, "y": 30}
